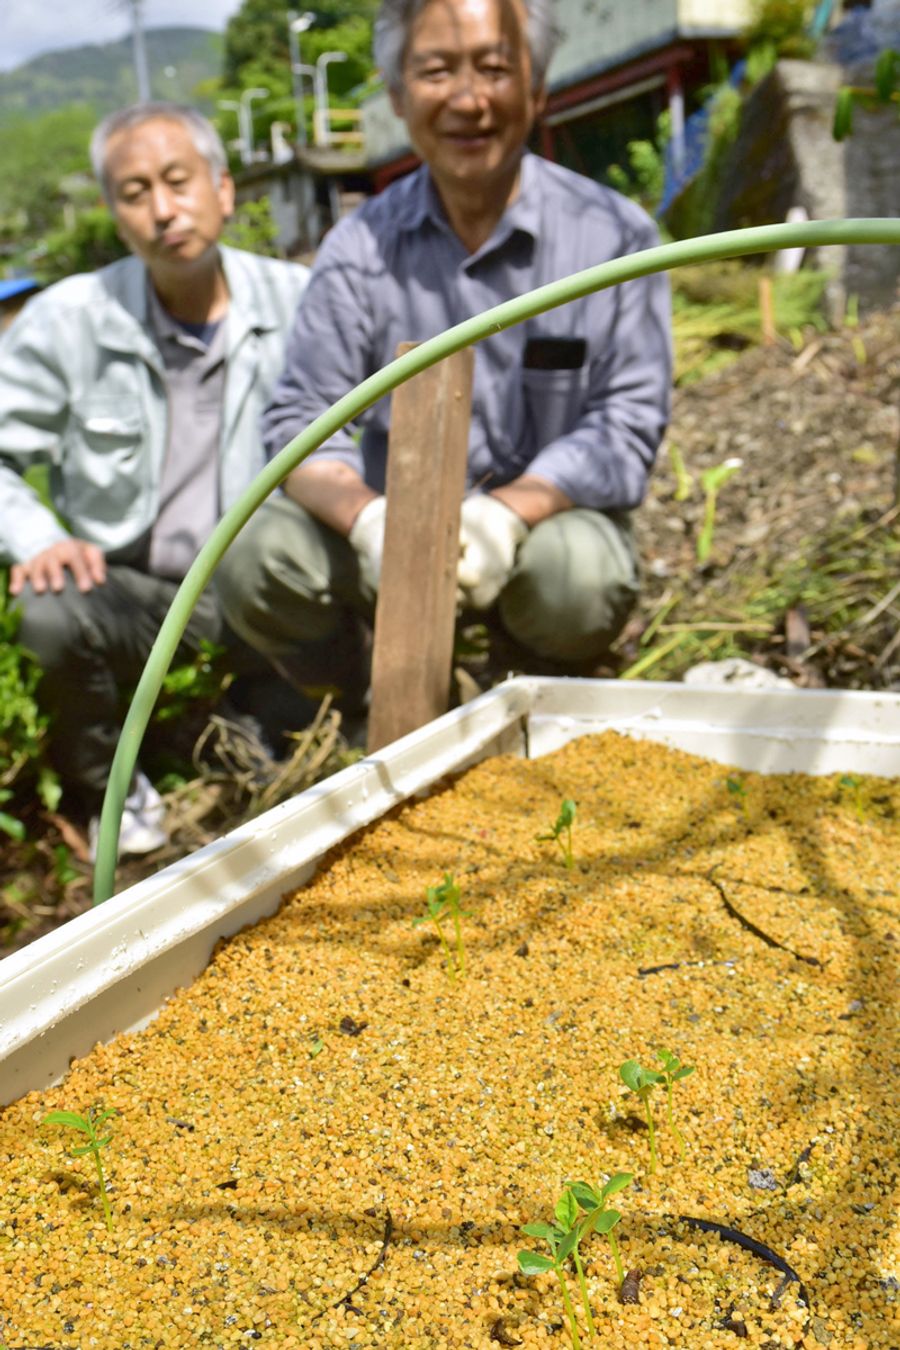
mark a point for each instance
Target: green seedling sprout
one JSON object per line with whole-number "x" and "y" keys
{"x": 567, "y": 1215}
{"x": 853, "y": 785}
{"x": 684, "y": 483}
{"x": 89, "y": 1125}
{"x": 712, "y": 481}
{"x": 599, "y": 1219}
{"x": 442, "y": 901}
{"x": 642, "y": 1082}
{"x": 562, "y": 1243}
{"x": 737, "y": 790}
{"x": 561, "y": 831}
{"x": 673, "y": 1071}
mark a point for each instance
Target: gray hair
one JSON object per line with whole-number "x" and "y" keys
{"x": 202, "y": 132}
{"x": 395, "y": 18}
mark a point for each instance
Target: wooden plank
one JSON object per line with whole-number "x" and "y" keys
{"x": 767, "y": 312}
{"x": 416, "y": 610}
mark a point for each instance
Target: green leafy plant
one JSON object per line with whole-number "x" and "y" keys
{"x": 88, "y": 1125}
{"x": 442, "y": 902}
{"x": 561, "y": 831}
{"x": 562, "y": 1242}
{"x": 673, "y": 1071}
{"x": 568, "y": 1217}
{"x": 783, "y": 25}
{"x": 712, "y": 481}
{"x": 737, "y": 790}
{"x": 23, "y": 727}
{"x": 884, "y": 90}
{"x": 853, "y": 786}
{"x": 644, "y": 177}
{"x": 597, "y": 1218}
{"x": 642, "y": 1082}
{"x": 684, "y": 483}
{"x": 203, "y": 679}
{"x": 253, "y": 228}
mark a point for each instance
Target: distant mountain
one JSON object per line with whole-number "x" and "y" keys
{"x": 103, "y": 76}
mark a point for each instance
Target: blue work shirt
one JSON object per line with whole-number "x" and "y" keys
{"x": 395, "y": 271}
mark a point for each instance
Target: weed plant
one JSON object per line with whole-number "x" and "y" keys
{"x": 642, "y": 1082}
{"x": 712, "y": 481}
{"x": 738, "y": 791}
{"x": 562, "y": 1243}
{"x": 88, "y": 1125}
{"x": 561, "y": 831}
{"x": 597, "y": 1217}
{"x": 442, "y": 902}
{"x": 674, "y": 1071}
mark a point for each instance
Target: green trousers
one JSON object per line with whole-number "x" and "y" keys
{"x": 289, "y": 584}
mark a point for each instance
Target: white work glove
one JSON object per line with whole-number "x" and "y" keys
{"x": 489, "y": 534}
{"x": 366, "y": 538}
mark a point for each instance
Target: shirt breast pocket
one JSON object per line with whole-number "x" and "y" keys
{"x": 101, "y": 460}
{"x": 554, "y": 401}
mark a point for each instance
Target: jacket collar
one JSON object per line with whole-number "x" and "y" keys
{"x": 126, "y": 322}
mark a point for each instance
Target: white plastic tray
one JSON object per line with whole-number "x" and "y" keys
{"x": 110, "y": 969}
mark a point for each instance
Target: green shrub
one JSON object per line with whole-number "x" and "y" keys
{"x": 23, "y": 727}
{"x": 783, "y": 26}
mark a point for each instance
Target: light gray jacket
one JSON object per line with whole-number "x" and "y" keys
{"x": 82, "y": 390}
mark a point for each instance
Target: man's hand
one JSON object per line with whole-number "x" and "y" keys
{"x": 366, "y": 538}
{"x": 489, "y": 534}
{"x": 47, "y": 569}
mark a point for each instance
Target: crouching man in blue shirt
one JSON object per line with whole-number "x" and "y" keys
{"x": 568, "y": 409}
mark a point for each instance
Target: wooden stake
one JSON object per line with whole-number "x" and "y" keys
{"x": 416, "y": 610}
{"x": 767, "y": 311}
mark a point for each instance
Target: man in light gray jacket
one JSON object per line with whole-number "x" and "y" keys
{"x": 139, "y": 388}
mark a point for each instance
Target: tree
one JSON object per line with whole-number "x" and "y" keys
{"x": 257, "y": 55}
{"x": 36, "y": 155}
{"x": 257, "y": 35}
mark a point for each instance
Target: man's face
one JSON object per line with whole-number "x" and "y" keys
{"x": 467, "y": 96}
{"x": 168, "y": 209}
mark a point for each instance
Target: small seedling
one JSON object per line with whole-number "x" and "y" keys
{"x": 712, "y": 481}
{"x": 442, "y": 901}
{"x": 673, "y": 1071}
{"x": 88, "y": 1125}
{"x": 850, "y": 783}
{"x": 567, "y": 1214}
{"x": 737, "y": 790}
{"x": 561, "y": 1243}
{"x": 599, "y": 1219}
{"x": 642, "y": 1082}
{"x": 684, "y": 483}
{"x": 561, "y": 831}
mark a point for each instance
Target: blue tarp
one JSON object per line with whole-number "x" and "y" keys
{"x": 10, "y": 287}
{"x": 696, "y": 138}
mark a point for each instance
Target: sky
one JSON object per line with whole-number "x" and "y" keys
{"x": 29, "y": 27}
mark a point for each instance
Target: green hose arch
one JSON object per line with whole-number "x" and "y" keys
{"x": 732, "y": 244}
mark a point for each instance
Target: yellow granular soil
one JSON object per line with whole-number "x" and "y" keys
{"x": 261, "y": 1145}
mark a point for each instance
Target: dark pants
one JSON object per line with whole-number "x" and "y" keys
{"x": 290, "y": 586}
{"x": 89, "y": 647}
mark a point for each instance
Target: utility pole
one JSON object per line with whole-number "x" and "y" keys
{"x": 322, "y": 124}
{"x": 246, "y": 114}
{"x": 139, "y": 50}
{"x": 297, "y": 24}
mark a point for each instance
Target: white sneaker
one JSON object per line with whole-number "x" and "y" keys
{"x": 143, "y": 821}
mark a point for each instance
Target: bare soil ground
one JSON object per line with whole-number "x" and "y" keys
{"x": 803, "y": 575}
